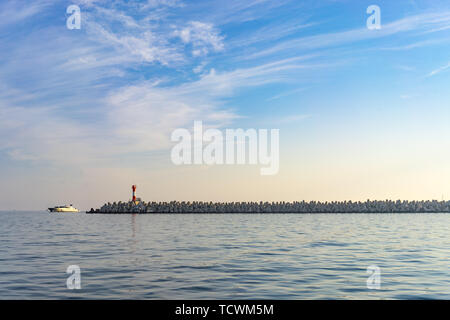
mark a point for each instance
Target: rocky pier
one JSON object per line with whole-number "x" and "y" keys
{"x": 369, "y": 206}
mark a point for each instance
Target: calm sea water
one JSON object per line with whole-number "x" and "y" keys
{"x": 228, "y": 256}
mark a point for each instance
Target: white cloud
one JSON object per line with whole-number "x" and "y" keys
{"x": 423, "y": 22}
{"x": 142, "y": 117}
{"x": 131, "y": 119}
{"x": 203, "y": 37}
{"x": 200, "y": 67}
{"x": 135, "y": 42}
{"x": 39, "y": 135}
{"x": 286, "y": 93}
{"x": 291, "y": 118}
{"x": 439, "y": 70}
{"x": 42, "y": 121}
{"x": 17, "y": 11}
{"x": 419, "y": 44}
{"x": 158, "y": 3}
{"x": 129, "y": 115}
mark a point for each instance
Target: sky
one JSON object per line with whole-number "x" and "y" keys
{"x": 85, "y": 113}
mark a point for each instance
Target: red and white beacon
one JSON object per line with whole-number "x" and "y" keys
{"x": 133, "y": 187}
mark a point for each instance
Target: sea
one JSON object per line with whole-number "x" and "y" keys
{"x": 224, "y": 256}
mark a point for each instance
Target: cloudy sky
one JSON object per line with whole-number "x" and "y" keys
{"x": 86, "y": 113}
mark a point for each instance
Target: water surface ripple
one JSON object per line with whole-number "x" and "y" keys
{"x": 224, "y": 256}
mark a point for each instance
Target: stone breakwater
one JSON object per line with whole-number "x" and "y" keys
{"x": 368, "y": 206}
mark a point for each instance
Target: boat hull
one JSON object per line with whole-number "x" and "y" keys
{"x": 63, "y": 210}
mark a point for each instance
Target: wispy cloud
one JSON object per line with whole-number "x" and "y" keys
{"x": 203, "y": 37}
{"x": 238, "y": 11}
{"x": 405, "y": 68}
{"x": 131, "y": 118}
{"x": 13, "y": 12}
{"x": 422, "y": 22}
{"x": 291, "y": 118}
{"x": 419, "y": 44}
{"x": 134, "y": 72}
{"x": 158, "y": 3}
{"x": 286, "y": 93}
{"x": 439, "y": 70}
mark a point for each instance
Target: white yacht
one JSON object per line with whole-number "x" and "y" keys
{"x": 69, "y": 208}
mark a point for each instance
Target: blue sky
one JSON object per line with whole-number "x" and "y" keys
{"x": 86, "y": 113}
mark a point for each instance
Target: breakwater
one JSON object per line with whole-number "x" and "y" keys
{"x": 369, "y": 206}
